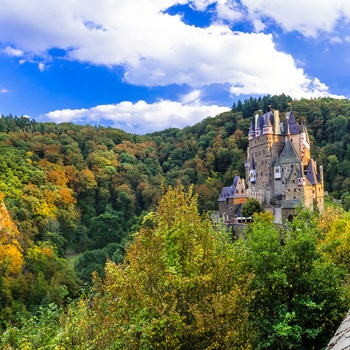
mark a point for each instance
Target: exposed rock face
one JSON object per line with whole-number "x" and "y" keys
{"x": 341, "y": 338}
{"x": 11, "y": 255}
{"x": 5, "y": 220}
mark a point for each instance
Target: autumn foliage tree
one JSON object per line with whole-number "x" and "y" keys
{"x": 181, "y": 287}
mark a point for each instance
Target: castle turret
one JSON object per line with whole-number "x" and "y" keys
{"x": 259, "y": 125}
{"x": 251, "y": 133}
{"x": 268, "y": 124}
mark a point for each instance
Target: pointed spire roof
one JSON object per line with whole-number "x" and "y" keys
{"x": 276, "y": 162}
{"x": 260, "y": 123}
{"x": 293, "y": 125}
{"x": 303, "y": 128}
{"x": 311, "y": 173}
{"x": 288, "y": 154}
{"x": 268, "y": 119}
{"x": 229, "y": 192}
{"x": 301, "y": 172}
{"x": 252, "y": 127}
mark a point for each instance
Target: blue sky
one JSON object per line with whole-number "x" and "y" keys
{"x": 146, "y": 65}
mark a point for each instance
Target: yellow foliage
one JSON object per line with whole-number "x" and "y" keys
{"x": 11, "y": 258}
{"x": 335, "y": 245}
{"x": 181, "y": 286}
{"x": 40, "y": 253}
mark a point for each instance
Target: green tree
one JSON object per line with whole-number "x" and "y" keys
{"x": 251, "y": 206}
{"x": 181, "y": 286}
{"x": 300, "y": 297}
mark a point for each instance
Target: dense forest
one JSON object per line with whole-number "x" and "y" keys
{"x": 83, "y": 196}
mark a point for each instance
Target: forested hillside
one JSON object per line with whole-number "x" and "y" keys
{"x": 81, "y": 192}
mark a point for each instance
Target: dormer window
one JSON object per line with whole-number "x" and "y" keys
{"x": 252, "y": 175}
{"x": 277, "y": 172}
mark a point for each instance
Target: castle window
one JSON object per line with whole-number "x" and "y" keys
{"x": 262, "y": 162}
{"x": 293, "y": 181}
{"x": 261, "y": 174}
{"x": 295, "y": 189}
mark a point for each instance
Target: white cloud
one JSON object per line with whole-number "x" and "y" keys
{"x": 138, "y": 117}
{"x": 229, "y": 10}
{"x": 4, "y": 91}
{"x": 192, "y": 98}
{"x": 9, "y": 51}
{"x": 157, "y": 49}
{"x": 309, "y": 17}
{"x": 41, "y": 66}
{"x": 336, "y": 40}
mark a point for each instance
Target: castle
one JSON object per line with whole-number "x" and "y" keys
{"x": 280, "y": 172}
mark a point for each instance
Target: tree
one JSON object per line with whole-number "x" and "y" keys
{"x": 181, "y": 286}
{"x": 300, "y": 297}
{"x": 251, "y": 206}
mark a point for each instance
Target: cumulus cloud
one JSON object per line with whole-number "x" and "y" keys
{"x": 157, "y": 49}
{"x": 309, "y": 17}
{"x": 139, "y": 117}
{"x": 4, "y": 91}
{"x": 9, "y": 51}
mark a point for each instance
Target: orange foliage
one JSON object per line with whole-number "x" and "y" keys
{"x": 66, "y": 197}
{"x": 57, "y": 177}
{"x": 11, "y": 257}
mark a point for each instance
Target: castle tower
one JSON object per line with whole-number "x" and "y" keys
{"x": 277, "y": 158}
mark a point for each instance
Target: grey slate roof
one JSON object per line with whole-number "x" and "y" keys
{"x": 229, "y": 192}
{"x": 288, "y": 154}
{"x": 293, "y": 125}
{"x": 311, "y": 173}
{"x": 226, "y": 193}
{"x": 252, "y": 127}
